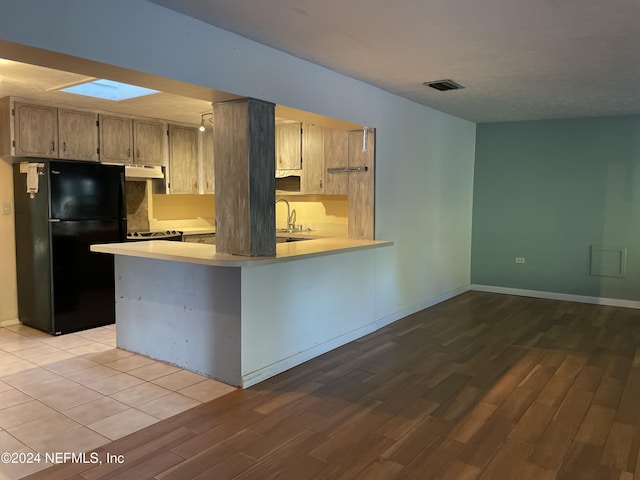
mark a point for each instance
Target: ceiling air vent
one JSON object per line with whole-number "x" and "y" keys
{"x": 443, "y": 85}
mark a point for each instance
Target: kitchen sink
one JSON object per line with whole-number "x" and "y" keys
{"x": 292, "y": 230}
{"x": 290, "y": 239}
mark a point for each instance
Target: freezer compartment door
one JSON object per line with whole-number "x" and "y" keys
{"x": 83, "y": 281}
{"x": 86, "y": 191}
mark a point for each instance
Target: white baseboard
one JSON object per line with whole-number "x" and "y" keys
{"x": 257, "y": 376}
{"x": 383, "y": 322}
{"x": 7, "y": 323}
{"x": 285, "y": 364}
{"x": 612, "y": 302}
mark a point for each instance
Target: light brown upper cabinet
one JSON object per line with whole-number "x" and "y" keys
{"x": 124, "y": 140}
{"x": 312, "y": 178}
{"x": 78, "y": 135}
{"x": 116, "y": 139}
{"x": 33, "y": 130}
{"x": 36, "y": 130}
{"x": 148, "y": 140}
{"x": 28, "y": 130}
{"x": 336, "y": 155}
{"x": 289, "y": 146}
{"x": 207, "y": 161}
{"x": 183, "y": 159}
{"x": 361, "y": 184}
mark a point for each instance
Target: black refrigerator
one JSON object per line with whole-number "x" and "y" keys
{"x": 62, "y": 286}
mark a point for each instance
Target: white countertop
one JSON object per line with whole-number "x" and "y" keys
{"x": 206, "y": 254}
{"x": 279, "y": 233}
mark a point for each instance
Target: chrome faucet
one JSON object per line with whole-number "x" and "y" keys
{"x": 290, "y": 226}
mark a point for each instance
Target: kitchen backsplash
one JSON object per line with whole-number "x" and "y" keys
{"x": 137, "y": 207}
{"x": 182, "y": 212}
{"x": 177, "y": 207}
{"x": 325, "y": 214}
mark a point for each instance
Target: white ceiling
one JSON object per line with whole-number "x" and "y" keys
{"x": 518, "y": 59}
{"x": 42, "y": 84}
{"x": 175, "y": 102}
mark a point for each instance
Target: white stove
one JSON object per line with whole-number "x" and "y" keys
{"x": 172, "y": 235}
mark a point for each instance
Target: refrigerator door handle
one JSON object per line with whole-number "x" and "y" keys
{"x": 123, "y": 197}
{"x": 54, "y": 220}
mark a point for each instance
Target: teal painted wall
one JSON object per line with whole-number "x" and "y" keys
{"x": 547, "y": 190}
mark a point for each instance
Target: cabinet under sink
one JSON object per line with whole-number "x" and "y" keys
{"x": 208, "y": 238}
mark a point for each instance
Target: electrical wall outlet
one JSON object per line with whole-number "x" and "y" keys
{"x": 6, "y": 209}
{"x": 519, "y": 259}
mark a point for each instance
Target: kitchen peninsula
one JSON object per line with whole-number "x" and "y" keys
{"x": 242, "y": 319}
{"x": 249, "y": 307}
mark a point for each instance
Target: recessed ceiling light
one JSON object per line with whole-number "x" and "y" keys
{"x": 443, "y": 85}
{"x": 108, "y": 90}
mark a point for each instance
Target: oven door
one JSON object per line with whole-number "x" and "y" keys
{"x": 173, "y": 235}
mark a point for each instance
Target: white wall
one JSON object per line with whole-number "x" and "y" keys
{"x": 424, "y": 165}
{"x": 295, "y": 311}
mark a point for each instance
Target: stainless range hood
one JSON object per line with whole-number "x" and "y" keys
{"x": 142, "y": 172}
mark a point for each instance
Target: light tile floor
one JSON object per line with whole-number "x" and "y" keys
{"x": 76, "y": 392}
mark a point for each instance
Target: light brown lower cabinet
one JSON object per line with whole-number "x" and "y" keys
{"x": 206, "y": 238}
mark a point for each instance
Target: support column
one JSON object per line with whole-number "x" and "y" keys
{"x": 244, "y": 152}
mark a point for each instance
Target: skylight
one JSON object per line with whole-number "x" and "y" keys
{"x": 108, "y": 90}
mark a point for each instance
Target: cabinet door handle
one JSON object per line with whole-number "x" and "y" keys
{"x": 129, "y": 152}
{"x": 64, "y": 146}
{"x": 363, "y": 168}
{"x": 138, "y": 153}
{"x": 53, "y": 146}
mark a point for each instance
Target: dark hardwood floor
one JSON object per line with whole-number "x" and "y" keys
{"x": 483, "y": 386}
